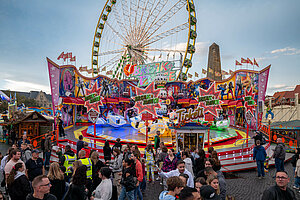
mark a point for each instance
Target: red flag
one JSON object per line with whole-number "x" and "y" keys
{"x": 230, "y": 71}
{"x": 61, "y": 56}
{"x": 255, "y": 63}
{"x": 73, "y": 58}
{"x": 237, "y": 62}
{"x": 249, "y": 61}
{"x": 244, "y": 60}
{"x": 65, "y": 56}
{"x": 69, "y": 55}
{"x": 204, "y": 71}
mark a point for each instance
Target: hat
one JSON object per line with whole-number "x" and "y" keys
{"x": 35, "y": 151}
{"x": 208, "y": 192}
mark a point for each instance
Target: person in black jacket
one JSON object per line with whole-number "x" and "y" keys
{"x": 128, "y": 180}
{"x": 79, "y": 145}
{"x": 107, "y": 151}
{"x": 18, "y": 183}
{"x": 117, "y": 145}
{"x": 41, "y": 187}
{"x": 280, "y": 190}
{"x": 57, "y": 181}
{"x": 77, "y": 189}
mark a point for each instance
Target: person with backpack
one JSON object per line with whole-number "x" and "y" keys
{"x": 294, "y": 161}
{"x": 259, "y": 154}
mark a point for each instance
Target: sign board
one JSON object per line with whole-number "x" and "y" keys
{"x": 249, "y": 116}
{"x": 148, "y": 73}
{"x": 93, "y": 116}
{"x": 147, "y": 116}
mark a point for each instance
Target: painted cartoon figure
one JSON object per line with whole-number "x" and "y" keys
{"x": 105, "y": 89}
{"x": 223, "y": 89}
{"x": 80, "y": 85}
{"x": 230, "y": 91}
{"x": 269, "y": 112}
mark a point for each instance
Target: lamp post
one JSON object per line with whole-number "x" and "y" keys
{"x": 269, "y": 122}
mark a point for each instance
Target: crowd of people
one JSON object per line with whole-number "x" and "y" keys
{"x": 189, "y": 174}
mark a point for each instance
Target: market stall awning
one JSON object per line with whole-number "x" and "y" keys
{"x": 183, "y": 101}
{"x": 111, "y": 100}
{"x": 239, "y": 104}
{"x": 193, "y": 102}
{"x": 232, "y": 103}
{"x": 124, "y": 100}
{"x": 224, "y": 102}
{"x": 73, "y": 101}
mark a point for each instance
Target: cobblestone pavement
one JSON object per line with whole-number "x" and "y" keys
{"x": 246, "y": 187}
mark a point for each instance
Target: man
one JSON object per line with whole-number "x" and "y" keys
{"x": 175, "y": 185}
{"x": 23, "y": 140}
{"x": 280, "y": 190}
{"x": 67, "y": 160}
{"x": 156, "y": 141}
{"x": 61, "y": 129}
{"x": 117, "y": 145}
{"x": 139, "y": 175}
{"x": 222, "y": 183}
{"x": 34, "y": 166}
{"x": 25, "y": 152}
{"x": 79, "y": 144}
{"x": 86, "y": 149}
{"x": 188, "y": 193}
{"x": 180, "y": 170}
{"x": 89, "y": 172}
{"x": 279, "y": 155}
{"x": 41, "y": 189}
{"x": 208, "y": 192}
{"x": 48, "y": 147}
{"x": 259, "y": 154}
{"x": 16, "y": 155}
{"x": 257, "y": 137}
{"x": 207, "y": 163}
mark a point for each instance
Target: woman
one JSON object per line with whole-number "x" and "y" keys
{"x": 117, "y": 168}
{"x": 169, "y": 162}
{"x": 128, "y": 180}
{"x": 199, "y": 182}
{"x": 76, "y": 164}
{"x": 217, "y": 163}
{"x": 188, "y": 162}
{"x": 57, "y": 180}
{"x": 149, "y": 154}
{"x": 77, "y": 189}
{"x": 107, "y": 151}
{"x": 104, "y": 189}
{"x": 97, "y": 164}
{"x": 17, "y": 183}
{"x": 199, "y": 162}
{"x": 214, "y": 182}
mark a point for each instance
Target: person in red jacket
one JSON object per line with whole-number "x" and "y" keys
{"x": 139, "y": 175}
{"x": 86, "y": 149}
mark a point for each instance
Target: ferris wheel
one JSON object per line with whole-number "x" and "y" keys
{"x": 142, "y": 32}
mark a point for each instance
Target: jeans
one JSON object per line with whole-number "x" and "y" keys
{"x": 47, "y": 159}
{"x": 143, "y": 184}
{"x": 297, "y": 181}
{"x": 260, "y": 168}
{"x": 137, "y": 192}
{"x": 279, "y": 164}
{"x": 124, "y": 194}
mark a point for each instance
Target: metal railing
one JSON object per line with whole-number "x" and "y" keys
{"x": 242, "y": 145}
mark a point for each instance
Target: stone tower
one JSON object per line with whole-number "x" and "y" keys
{"x": 214, "y": 63}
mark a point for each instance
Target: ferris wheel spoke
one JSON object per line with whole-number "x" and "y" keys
{"x": 116, "y": 32}
{"x": 119, "y": 21}
{"x": 166, "y": 50}
{"x": 112, "y": 61}
{"x": 168, "y": 15}
{"x": 167, "y": 33}
{"x": 125, "y": 12}
{"x": 152, "y": 16}
{"x": 111, "y": 52}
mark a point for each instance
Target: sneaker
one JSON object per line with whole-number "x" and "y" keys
{"x": 295, "y": 187}
{"x": 259, "y": 178}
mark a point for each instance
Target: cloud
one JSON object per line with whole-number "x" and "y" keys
{"x": 24, "y": 86}
{"x": 278, "y": 88}
{"x": 286, "y": 51}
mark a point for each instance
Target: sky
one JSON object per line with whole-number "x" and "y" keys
{"x": 31, "y": 30}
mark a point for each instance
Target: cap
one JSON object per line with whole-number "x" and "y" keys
{"x": 208, "y": 192}
{"x": 35, "y": 151}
